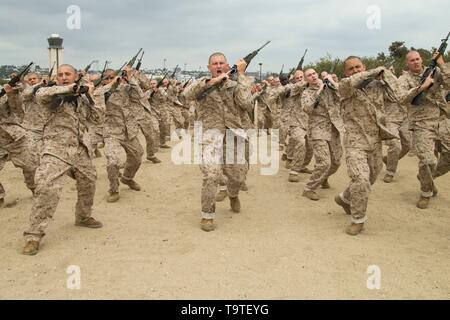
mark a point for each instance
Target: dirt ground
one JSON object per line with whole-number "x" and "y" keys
{"x": 281, "y": 245}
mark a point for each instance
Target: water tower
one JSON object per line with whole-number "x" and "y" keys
{"x": 55, "y": 51}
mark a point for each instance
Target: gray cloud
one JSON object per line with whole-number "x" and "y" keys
{"x": 188, "y": 31}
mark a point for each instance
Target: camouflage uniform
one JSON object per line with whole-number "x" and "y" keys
{"x": 174, "y": 105}
{"x": 424, "y": 121}
{"x": 325, "y": 125}
{"x": 146, "y": 116}
{"x": 362, "y": 111}
{"x": 66, "y": 150}
{"x": 397, "y": 123}
{"x": 264, "y": 120}
{"x": 219, "y": 111}
{"x": 14, "y": 141}
{"x": 122, "y": 147}
{"x": 34, "y": 118}
{"x": 443, "y": 165}
{"x": 158, "y": 101}
{"x": 275, "y": 101}
{"x": 299, "y": 150}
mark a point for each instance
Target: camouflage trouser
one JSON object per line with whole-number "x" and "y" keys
{"x": 164, "y": 124}
{"x": 36, "y": 142}
{"x": 397, "y": 148}
{"x": 327, "y": 156}
{"x": 363, "y": 167}
{"x": 50, "y": 178}
{"x": 301, "y": 150}
{"x": 23, "y": 155}
{"x": 187, "y": 118}
{"x": 425, "y": 141}
{"x": 150, "y": 129}
{"x": 443, "y": 165}
{"x": 177, "y": 117}
{"x": 276, "y": 125}
{"x": 215, "y": 171}
{"x": 3, "y": 159}
{"x": 284, "y": 125}
{"x": 122, "y": 154}
{"x": 264, "y": 120}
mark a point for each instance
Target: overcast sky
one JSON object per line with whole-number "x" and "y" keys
{"x": 188, "y": 31}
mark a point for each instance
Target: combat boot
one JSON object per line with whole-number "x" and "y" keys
{"x": 388, "y": 178}
{"x": 88, "y": 223}
{"x": 293, "y": 177}
{"x": 423, "y": 202}
{"x": 207, "y": 225}
{"x": 284, "y": 157}
{"x": 2, "y": 202}
{"x": 354, "y": 229}
{"x": 344, "y": 205}
{"x": 235, "y": 204}
{"x": 31, "y": 248}
{"x": 113, "y": 197}
{"x": 310, "y": 194}
{"x": 154, "y": 159}
{"x": 131, "y": 183}
{"x": 221, "y": 195}
{"x": 325, "y": 184}
{"x": 244, "y": 186}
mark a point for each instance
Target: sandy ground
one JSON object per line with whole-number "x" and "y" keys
{"x": 281, "y": 246}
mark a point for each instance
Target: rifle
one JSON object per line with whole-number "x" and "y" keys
{"x": 447, "y": 97}
{"x": 99, "y": 80}
{"x": 130, "y": 63}
{"x": 430, "y": 70}
{"x": 138, "y": 66}
{"x": 248, "y": 58}
{"x": 187, "y": 82}
{"x": 16, "y": 78}
{"x": 300, "y": 64}
{"x": 159, "y": 84}
{"x": 84, "y": 89}
{"x": 281, "y": 72}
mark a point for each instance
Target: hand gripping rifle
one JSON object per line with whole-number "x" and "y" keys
{"x": 16, "y": 79}
{"x": 248, "y": 58}
{"x": 430, "y": 70}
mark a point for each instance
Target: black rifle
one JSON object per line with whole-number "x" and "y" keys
{"x": 281, "y": 72}
{"x": 447, "y": 97}
{"x": 159, "y": 84}
{"x": 138, "y": 66}
{"x": 187, "y": 82}
{"x": 248, "y": 58}
{"x": 16, "y": 79}
{"x": 99, "y": 80}
{"x": 300, "y": 64}
{"x": 130, "y": 63}
{"x": 430, "y": 70}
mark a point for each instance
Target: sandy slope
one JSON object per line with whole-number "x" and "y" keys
{"x": 281, "y": 246}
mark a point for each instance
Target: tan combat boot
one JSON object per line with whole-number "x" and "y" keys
{"x": 88, "y": 223}
{"x": 207, "y": 225}
{"x": 310, "y": 194}
{"x": 131, "y": 183}
{"x": 423, "y": 202}
{"x": 325, "y": 184}
{"x": 31, "y": 248}
{"x": 388, "y": 178}
{"x": 235, "y": 204}
{"x": 221, "y": 195}
{"x": 293, "y": 177}
{"x": 154, "y": 159}
{"x": 113, "y": 197}
{"x": 354, "y": 229}
{"x": 344, "y": 205}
